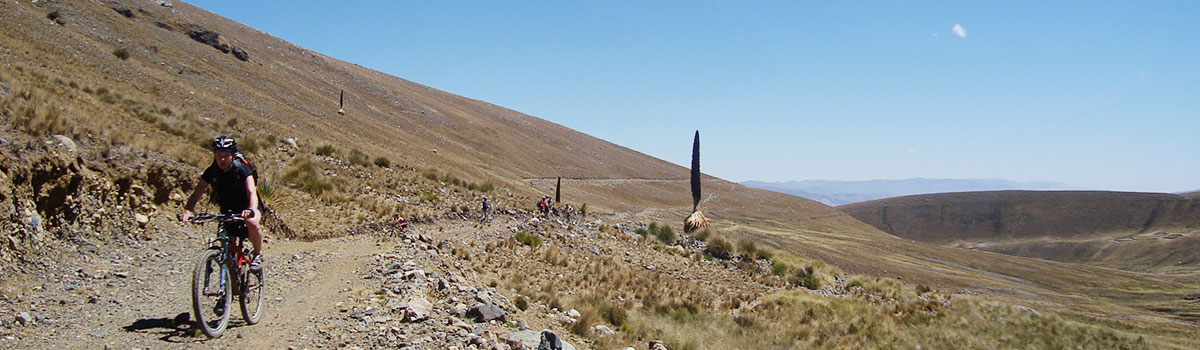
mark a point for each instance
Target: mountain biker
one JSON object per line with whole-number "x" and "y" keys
{"x": 235, "y": 190}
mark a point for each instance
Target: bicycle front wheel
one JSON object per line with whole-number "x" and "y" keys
{"x": 211, "y": 294}
{"x": 251, "y": 295}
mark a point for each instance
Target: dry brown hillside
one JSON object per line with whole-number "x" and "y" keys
{"x": 1133, "y": 231}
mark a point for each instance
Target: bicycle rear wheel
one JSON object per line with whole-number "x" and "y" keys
{"x": 251, "y": 295}
{"x": 211, "y": 294}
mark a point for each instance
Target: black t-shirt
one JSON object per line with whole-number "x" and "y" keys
{"x": 229, "y": 186}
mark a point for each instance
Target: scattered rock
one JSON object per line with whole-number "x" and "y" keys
{"x": 657, "y": 345}
{"x": 603, "y": 330}
{"x": 24, "y": 318}
{"x": 208, "y": 37}
{"x": 1026, "y": 309}
{"x": 291, "y": 142}
{"x": 165, "y": 3}
{"x": 67, "y": 142}
{"x": 573, "y": 313}
{"x": 240, "y": 54}
{"x": 418, "y": 309}
{"x": 124, "y": 11}
{"x": 485, "y": 313}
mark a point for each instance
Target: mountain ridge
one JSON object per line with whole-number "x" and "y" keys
{"x": 836, "y": 192}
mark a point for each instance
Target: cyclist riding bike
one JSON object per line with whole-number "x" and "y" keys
{"x": 233, "y": 185}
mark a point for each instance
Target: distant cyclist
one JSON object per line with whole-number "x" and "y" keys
{"x": 233, "y": 185}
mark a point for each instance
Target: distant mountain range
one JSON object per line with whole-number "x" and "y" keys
{"x": 836, "y": 193}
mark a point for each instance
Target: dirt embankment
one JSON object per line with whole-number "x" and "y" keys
{"x": 1008, "y": 215}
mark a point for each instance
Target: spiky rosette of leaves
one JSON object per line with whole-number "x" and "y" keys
{"x": 694, "y": 222}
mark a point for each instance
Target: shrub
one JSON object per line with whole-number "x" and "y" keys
{"x": 304, "y": 176}
{"x": 382, "y": 162}
{"x": 426, "y": 196}
{"x": 780, "y": 269}
{"x": 615, "y": 315}
{"x": 266, "y": 188}
{"x": 430, "y": 174}
{"x": 748, "y": 248}
{"x": 326, "y": 150}
{"x": 359, "y": 158}
{"x": 582, "y": 209}
{"x": 530, "y": 240}
{"x": 719, "y": 248}
{"x": 522, "y": 303}
{"x": 807, "y": 278}
{"x": 587, "y": 319}
{"x": 765, "y": 254}
{"x": 121, "y": 53}
{"x": 248, "y": 145}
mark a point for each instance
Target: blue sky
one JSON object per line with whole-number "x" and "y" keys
{"x": 1094, "y": 94}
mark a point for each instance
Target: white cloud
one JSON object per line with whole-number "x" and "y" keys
{"x": 959, "y": 31}
{"x": 910, "y": 150}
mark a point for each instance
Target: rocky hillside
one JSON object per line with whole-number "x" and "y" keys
{"x": 106, "y": 108}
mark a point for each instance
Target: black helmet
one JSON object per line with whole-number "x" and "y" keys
{"x": 224, "y": 143}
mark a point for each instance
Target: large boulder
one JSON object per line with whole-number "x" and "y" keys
{"x": 208, "y": 37}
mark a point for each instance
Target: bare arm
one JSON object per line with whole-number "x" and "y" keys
{"x": 252, "y": 191}
{"x": 191, "y": 203}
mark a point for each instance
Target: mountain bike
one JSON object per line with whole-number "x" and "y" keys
{"x": 222, "y": 272}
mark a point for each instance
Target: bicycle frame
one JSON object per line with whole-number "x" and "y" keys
{"x": 231, "y": 253}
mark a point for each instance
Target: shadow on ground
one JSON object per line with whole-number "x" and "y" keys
{"x": 175, "y": 330}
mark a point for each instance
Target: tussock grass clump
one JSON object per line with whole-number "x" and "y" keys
{"x": 121, "y": 53}
{"x": 748, "y": 248}
{"x": 807, "y": 278}
{"x": 663, "y": 233}
{"x": 719, "y": 248}
{"x": 359, "y": 158}
{"x": 382, "y": 162}
{"x": 326, "y": 150}
{"x": 522, "y": 303}
{"x": 528, "y": 239}
{"x": 428, "y": 197}
{"x": 303, "y": 175}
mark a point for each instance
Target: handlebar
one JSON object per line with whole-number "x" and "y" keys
{"x": 202, "y": 217}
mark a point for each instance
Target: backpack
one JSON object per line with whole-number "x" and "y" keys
{"x": 246, "y": 161}
{"x": 262, "y": 206}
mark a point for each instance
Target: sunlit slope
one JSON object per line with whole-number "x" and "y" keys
{"x": 284, "y": 91}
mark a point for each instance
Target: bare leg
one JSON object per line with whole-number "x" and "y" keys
{"x": 255, "y": 233}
